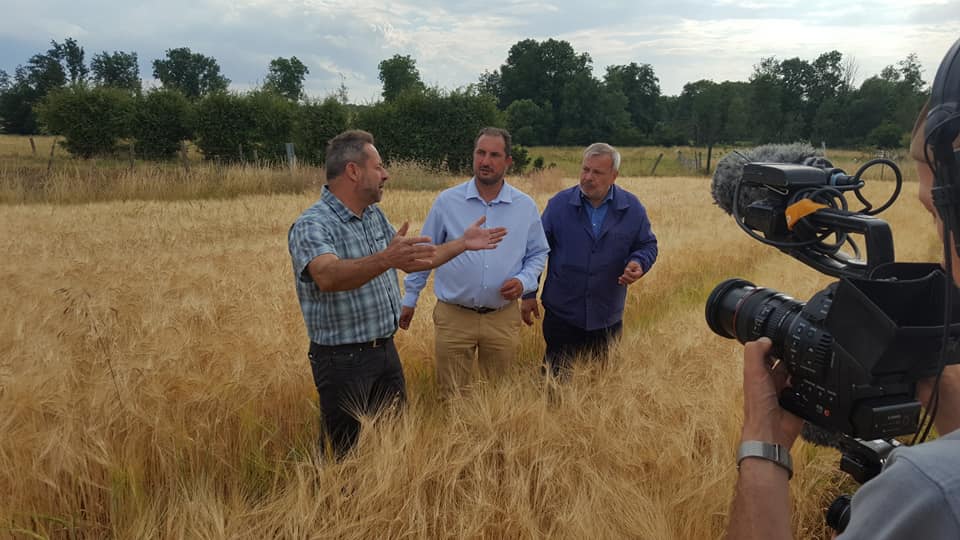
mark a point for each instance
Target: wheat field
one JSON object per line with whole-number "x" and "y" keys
{"x": 154, "y": 384}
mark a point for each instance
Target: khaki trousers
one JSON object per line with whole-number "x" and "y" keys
{"x": 465, "y": 338}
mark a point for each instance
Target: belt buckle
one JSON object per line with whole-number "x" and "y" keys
{"x": 378, "y": 342}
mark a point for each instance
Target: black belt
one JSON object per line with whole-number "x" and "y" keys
{"x": 375, "y": 344}
{"x": 481, "y": 310}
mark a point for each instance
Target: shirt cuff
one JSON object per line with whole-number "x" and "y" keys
{"x": 410, "y": 299}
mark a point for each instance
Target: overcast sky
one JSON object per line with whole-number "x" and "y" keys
{"x": 453, "y": 42}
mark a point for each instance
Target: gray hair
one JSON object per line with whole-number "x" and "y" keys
{"x": 604, "y": 149}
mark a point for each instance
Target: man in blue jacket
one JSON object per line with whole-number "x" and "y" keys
{"x": 600, "y": 243}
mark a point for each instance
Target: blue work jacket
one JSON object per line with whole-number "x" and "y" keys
{"x": 582, "y": 270}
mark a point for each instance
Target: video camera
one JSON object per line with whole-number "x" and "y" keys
{"x": 856, "y": 349}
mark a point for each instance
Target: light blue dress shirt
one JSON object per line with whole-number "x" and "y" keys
{"x": 474, "y": 278}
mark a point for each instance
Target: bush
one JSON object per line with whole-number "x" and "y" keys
{"x": 521, "y": 158}
{"x": 225, "y": 126}
{"x": 162, "y": 119}
{"x": 431, "y": 128}
{"x": 316, "y": 124}
{"x": 273, "y": 119}
{"x": 886, "y": 135}
{"x": 91, "y": 120}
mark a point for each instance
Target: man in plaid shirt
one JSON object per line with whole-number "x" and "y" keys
{"x": 345, "y": 258}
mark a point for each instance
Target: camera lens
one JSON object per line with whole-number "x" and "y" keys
{"x": 739, "y": 310}
{"x": 838, "y": 515}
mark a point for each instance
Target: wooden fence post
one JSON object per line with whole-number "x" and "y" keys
{"x": 184, "y": 158}
{"x": 33, "y": 146}
{"x": 291, "y": 157}
{"x": 655, "y": 163}
{"x": 53, "y": 146}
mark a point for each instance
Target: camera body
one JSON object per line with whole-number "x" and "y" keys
{"x": 854, "y": 351}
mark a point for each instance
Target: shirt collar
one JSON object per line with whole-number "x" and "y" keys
{"x": 335, "y": 204}
{"x": 608, "y": 198}
{"x": 505, "y": 195}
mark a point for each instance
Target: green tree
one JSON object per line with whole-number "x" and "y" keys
{"x": 71, "y": 56}
{"x": 193, "y": 74}
{"x": 225, "y": 125}
{"x": 766, "y": 103}
{"x": 886, "y": 135}
{"x": 529, "y": 123}
{"x": 317, "y": 123}
{"x": 162, "y": 119}
{"x": 31, "y": 83}
{"x": 591, "y": 112}
{"x": 273, "y": 119}
{"x": 489, "y": 84}
{"x": 399, "y": 74}
{"x": 91, "y": 120}
{"x": 285, "y": 77}
{"x": 117, "y": 69}
{"x": 642, "y": 89}
{"x": 434, "y": 128}
{"x": 540, "y": 71}
{"x": 911, "y": 73}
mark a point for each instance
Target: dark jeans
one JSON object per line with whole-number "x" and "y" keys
{"x": 566, "y": 342}
{"x": 354, "y": 380}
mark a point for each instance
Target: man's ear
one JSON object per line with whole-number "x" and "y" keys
{"x": 352, "y": 170}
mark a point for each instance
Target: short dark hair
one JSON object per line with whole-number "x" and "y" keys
{"x": 495, "y": 132}
{"x": 346, "y": 147}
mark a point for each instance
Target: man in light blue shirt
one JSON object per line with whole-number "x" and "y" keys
{"x": 476, "y": 318}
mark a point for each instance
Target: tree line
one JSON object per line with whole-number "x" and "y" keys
{"x": 545, "y": 93}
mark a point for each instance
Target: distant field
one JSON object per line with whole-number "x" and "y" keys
{"x": 26, "y": 176}
{"x": 154, "y": 382}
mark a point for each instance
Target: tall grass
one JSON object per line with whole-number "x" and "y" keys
{"x": 153, "y": 384}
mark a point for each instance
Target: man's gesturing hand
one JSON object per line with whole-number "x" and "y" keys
{"x": 406, "y": 315}
{"x": 476, "y": 237}
{"x": 529, "y": 310}
{"x": 511, "y": 289}
{"x": 631, "y": 273}
{"x": 409, "y": 254}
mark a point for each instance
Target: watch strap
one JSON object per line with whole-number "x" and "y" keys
{"x": 768, "y": 451}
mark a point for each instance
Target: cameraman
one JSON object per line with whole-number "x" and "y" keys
{"x": 918, "y": 493}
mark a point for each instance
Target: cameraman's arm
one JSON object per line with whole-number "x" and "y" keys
{"x": 761, "y": 506}
{"x": 948, "y": 412}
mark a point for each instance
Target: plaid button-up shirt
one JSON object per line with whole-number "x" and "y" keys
{"x": 363, "y": 314}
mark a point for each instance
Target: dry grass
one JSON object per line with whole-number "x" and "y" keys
{"x": 154, "y": 384}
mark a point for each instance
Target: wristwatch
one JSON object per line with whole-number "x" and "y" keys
{"x": 768, "y": 451}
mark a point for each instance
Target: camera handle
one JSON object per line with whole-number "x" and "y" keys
{"x": 876, "y": 233}
{"x": 862, "y": 460}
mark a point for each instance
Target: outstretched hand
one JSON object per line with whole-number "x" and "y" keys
{"x": 476, "y": 237}
{"x": 410, "y": 254}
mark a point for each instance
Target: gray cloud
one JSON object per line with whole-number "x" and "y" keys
{"x": 454, "y": 42}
